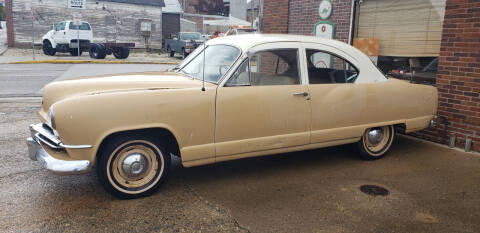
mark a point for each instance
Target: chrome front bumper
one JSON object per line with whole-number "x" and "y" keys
{"x": 43, "y": 137}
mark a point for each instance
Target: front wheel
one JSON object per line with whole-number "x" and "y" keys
{"x": 184, "y": 54}
{"x": 133, "y": 166}
{"x": 376, "y": 142}
{"x": 48, "y": 49}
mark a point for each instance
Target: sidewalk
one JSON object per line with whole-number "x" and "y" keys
{"x": 16, "y": 55}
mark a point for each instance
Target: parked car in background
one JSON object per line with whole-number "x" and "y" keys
{"x": 261, "y": 95}
{"x": 183, "y": 43}
{"x": 64, "y": 38}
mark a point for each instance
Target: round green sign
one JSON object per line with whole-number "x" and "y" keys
{"x": 325, "y": 9}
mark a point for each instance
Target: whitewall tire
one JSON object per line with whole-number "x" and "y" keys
{"x": 132, "y": 166}
{"x": 376, "y": 142}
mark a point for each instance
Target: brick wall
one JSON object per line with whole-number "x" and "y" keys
{"x": 275, "y": 16}
{"x": 304, "y": 14}
{"x": 458, "y": 77}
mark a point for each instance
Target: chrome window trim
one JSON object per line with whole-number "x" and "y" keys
{"x": 269, "y": 46}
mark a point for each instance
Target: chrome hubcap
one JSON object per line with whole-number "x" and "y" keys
{"x": 375, "y": 136}
{"x": 134, "y": 165}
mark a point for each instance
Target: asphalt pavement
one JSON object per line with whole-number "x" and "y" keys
{"x": 23, "y": 80}
{"x": 429, "y": 188}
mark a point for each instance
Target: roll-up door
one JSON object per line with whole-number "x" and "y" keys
{"x": 406, "y": 28}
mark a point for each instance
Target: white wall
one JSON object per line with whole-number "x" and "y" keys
{"x": 238, "y": 9}
{"x": 109, "y": 20}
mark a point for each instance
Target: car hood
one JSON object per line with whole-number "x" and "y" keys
{"x": 58, "y": 91}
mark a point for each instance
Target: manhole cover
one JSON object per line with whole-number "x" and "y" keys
{"x": 374, "y": 190}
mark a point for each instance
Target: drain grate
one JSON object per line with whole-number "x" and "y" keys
{"x": 374, "y": 190}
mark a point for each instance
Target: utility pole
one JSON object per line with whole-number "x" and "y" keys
{"x": 33, "y": 30}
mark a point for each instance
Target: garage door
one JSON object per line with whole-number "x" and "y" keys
{"x": 410, "y": 28}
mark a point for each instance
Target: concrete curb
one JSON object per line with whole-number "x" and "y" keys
{"x": 91, "y": 62}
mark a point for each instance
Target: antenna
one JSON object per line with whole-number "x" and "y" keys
{"x": 203, "y": 70}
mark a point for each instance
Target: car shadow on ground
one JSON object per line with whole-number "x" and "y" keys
{"x": 319, "y": 159}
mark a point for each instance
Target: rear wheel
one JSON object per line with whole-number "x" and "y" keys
{"x": 121, "y": 53}
{"x": 48, "y": 49}
{"x": 376, "y": 142}
{"x": 97, "y": 51}
{"x": 132, "y": 166}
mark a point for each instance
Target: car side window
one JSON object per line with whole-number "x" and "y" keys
{"x": 241, "y": 77}
{"x": 324, "y": 68}
{"x": 274, "y": 67}
{"x": 60, "y": 26}
{"x": 84, "y": 26}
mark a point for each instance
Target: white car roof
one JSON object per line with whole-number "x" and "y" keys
{"x": 246, "y": 41}
{"x": 368, "y": 71}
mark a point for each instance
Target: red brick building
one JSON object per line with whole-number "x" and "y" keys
{"x": 454, "y": 23}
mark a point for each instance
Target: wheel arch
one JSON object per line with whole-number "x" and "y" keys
{"x": 400, "y": 128}
{"x": 54, "y": 45}
{"x": 166, "y": 135}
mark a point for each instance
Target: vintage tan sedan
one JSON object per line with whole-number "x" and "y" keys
{"x": 262, "y": 95}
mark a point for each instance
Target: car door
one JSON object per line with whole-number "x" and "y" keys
{"x": 339, "y": 106}
{"x": 59, "y": 35}
{"x": 72, "y": 34}
{"x": 264, "y": 105}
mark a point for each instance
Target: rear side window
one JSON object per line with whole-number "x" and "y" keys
{"x": 84, "y": 26}
{"x": 274, "y": 67}
{"x": 324, "y": 68}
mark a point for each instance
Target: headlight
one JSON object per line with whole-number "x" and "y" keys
{"x": 51, "y": 117}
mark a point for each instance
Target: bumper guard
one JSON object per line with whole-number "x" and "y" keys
{"x": 41, "y": 136}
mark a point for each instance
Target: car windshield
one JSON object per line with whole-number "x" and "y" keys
{"x": 190, "y": 36}
{"x": 84, "y": 26}
{"x": 219, "y": 59}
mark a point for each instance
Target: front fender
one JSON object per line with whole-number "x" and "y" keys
{"x": 48, "y": 37}
{"x": 88, "y": 119}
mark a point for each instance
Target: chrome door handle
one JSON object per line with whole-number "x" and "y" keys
{"x": 304, "y": 94}
{"x": 301, "y": 93}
